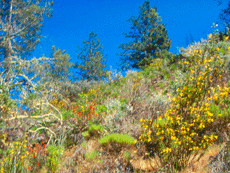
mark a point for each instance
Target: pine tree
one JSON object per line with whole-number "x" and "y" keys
{"x": 225, "y": 14}
{"x": 149, "y": 39}
{"x": 20, "y": 31}
{"x": 93, "y": 60}
{"x": 61, "y": 65}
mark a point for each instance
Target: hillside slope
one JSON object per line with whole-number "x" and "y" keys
{"x": 171, "y": 117}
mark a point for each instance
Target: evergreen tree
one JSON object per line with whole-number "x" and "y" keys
{"x": 93, "y": 60}
{"x": 20, "y": 28}
{"x": 149, "y": 39}
{"x": 225, "y": 14}
{"x": 61, "y": 65}
{"x": 55, "y": 72}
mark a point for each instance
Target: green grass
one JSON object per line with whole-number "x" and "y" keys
{"x": 91, "y": 155}
{"x": 118, "y": 138}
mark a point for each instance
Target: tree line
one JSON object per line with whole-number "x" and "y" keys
{"x": 20, "y": 31}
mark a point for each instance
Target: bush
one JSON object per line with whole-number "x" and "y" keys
{"x": 148, "y": 72}
{"x": 91, "y": 155}
{"x": 184, "y": 128}
{"x": 117, "y": 138}
{"x": 55, "y": 155}
{"x": 94, "y": 130}
{"x": 5, "y": 101}
{"x": 85, "y": 134}
{"x": 127, "y": 155}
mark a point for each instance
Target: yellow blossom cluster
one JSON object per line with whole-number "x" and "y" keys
{"x": 156, "y": 63}
{"x": 135, "y": 85}
{"x": 221, "y": 94}
{"x": 183, "y": 126}
{"x": 167, "y": 150}
{"x": 59, "y": 103}
{"x": 147, "y": 124}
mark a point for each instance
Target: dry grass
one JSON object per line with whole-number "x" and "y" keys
{"x": 142, "y": 102}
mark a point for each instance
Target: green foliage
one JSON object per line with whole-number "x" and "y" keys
{"x": 84, "y": 144}
{"x": 92, "y": 155}
{"x": 5, "y": 102}
{"x": 30, "y": 97}
{"x": 60, "y": 69}
{"x": 173, "y": 66}
{"x": 161, "y": 85}
{"x": 165, "y": 92}
{"x": 96, "y": 127}
{"x": 17, "y": 156}
{"x": 124, "y": 103}
{"x": 101, "y": 161}
{"x": 220, "y": 107}
{"x": 224, "y": 15}
{"x": 100, "y": 109}
{"x": 85, "y": 134}
{"x": 185, "y": 128}
{"x": 150, "y": 39}
{"x": 21, "y": 29}
{"x": 215, "y": 109}
{"x": 165, "y": 74}
{"x": 149, "y": 72}
{"x": 127, "y": 155}
{"x": 55, "y": 157}
{"x": 196, "y": 105}
{"x": 93, "y": 61}
{"x": 38, "y": 88}
{"x": 114, "y": 94}
{"x": 66, "y": 114}
{"x": 11, "y": 160}
{"x": 117, "y": 138}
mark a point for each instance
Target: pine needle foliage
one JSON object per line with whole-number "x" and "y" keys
{"x": 93, "y": 59}
{"x": 21, "y": 22}
{"x": 149, "y": 39}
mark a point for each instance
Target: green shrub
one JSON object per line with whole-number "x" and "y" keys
{"x": 85, "y": 134}
{"x": 173, "y": 66}
{"x": 123, "y": 103}
{"x": 96, "y": 127}
{"x": 183, "y": 128}
{"x": 66, "y": 114}
{"x": 161, "y": 85}
{"x": 117, "y": 138}
{"x": 165, "y": 74}
{"x": 114, "y": 94}
{"x": 165, "y": 92}
{"x": 91, "y": 155}
{"x": 127, "y": 155}
{"x": 100, "y": 109}
{"x": 148, "y": 72}
{"x": 84, "y": 144}
{"x": 93, "y": 129}
{"x": 55, "y": 156}
{"x": 6, "y": 103}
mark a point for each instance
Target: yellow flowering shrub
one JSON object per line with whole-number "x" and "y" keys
{"x": 59, "y": 102}
{"x": 185, "y": 126}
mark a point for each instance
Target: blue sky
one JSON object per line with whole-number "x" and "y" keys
{"x": 73, "y": 20}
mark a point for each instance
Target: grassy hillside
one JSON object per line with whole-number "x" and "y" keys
{"x": 173, "y": 116}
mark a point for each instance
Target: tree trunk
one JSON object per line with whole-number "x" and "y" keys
{"x": 8, "y": 59}
{"x": 8, "y": 49}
